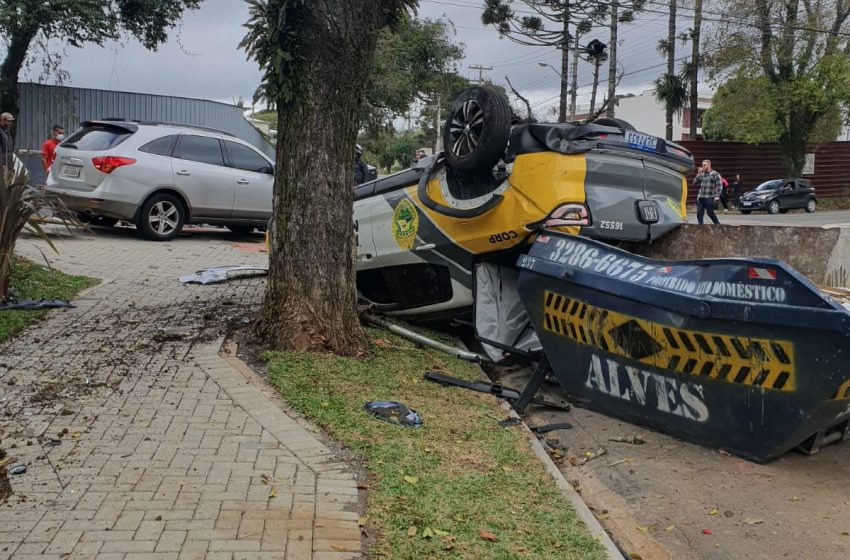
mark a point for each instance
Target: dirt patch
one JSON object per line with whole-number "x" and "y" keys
{"x": 672, "y": 499}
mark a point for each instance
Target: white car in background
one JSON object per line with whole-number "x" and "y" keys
{"x": 161, "y": 177}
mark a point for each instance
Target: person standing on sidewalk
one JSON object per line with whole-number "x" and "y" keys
{"x": 7, "y": 146}
{"x": 709, "y": 185}
{"x": 737, "y": 190}
{"x": 48, "y": 149}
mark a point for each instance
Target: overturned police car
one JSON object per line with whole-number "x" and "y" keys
{"x": 522, "y": 228}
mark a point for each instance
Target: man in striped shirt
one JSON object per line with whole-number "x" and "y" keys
{"x": 709, "y": 185}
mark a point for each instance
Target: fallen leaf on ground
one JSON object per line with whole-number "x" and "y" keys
{"x": 411, "y": 531}
{"x": 440, "y": 533}
{"x": 411, "y": 479}
{"x": 361, "y": 521}
{"x": 427, "y": 533}
{"x": 337, "y": 547}
{"x": 76, "y": 435}
{"x": 487, "y": 535}
{"x": 265, "y": 479}
{"x": 753, "y": 521}
{"x": 669, "y": 527}
{"x": 273, "y": 492}
{"x": 713, "y": 511}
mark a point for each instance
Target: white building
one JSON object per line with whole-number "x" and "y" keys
{"x": 647, "y": 114}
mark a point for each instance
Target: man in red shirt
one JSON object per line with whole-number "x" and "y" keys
{"x": 48, "y": 149}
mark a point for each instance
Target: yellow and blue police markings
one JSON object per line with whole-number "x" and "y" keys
{"x": 719, "y": 357}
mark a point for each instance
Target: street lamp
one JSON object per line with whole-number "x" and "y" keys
{"x": 543, "y": 65}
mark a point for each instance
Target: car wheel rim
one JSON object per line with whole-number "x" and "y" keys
{"x": 466, "y": 128}
{"x": 163, "y": 217}
{"x": 774, "y": 207}
{"x": 811, "y": 206}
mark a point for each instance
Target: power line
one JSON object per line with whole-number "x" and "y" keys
{"x": 480, "y": 71}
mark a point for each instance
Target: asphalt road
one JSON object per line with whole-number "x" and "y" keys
{"x": 792, "y": 218}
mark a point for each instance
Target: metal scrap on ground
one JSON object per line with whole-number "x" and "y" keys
{"x": 218, "y": 274}
{"x": 34, "y": 304}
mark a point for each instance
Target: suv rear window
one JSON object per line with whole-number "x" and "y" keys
{"x": 161, "y": 146}
{"x": 97, "y": 138}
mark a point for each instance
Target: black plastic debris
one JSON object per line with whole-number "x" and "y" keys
{"x": 30, "y": 304}
{"x": 394, "y": 413}
{"x": 508, "y": 422}
{"x": 17, "y": 469}
{"x": 551, "y": 427}
{"x": 54, "y": 442}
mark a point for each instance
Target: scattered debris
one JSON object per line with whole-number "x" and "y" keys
{"x": 487, "y": 535}
{"x": 511, "y": 421}
{"x": 34, "y": 304}
{"x": 54, "y": 442}
{"x": 588, "y": 456}
{"x": 713, "y": 511}
{"x": 223, "y": 274}
{"x": 17, "y": 469}
{"x": 551, "y": 427}
{"x": 172, "y": 333}
{"x": 394, "y": 413}
{"x": 635, "y": 440}
{"x": 510, "y": 395}
{"x": 753, "y": 521}
{"x": 707, "y": 532}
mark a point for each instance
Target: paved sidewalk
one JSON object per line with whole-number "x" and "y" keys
{"x": 140, "y": 441}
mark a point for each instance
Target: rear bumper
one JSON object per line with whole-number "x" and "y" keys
{"x": 753, "y": 204}
{"x": 79, "y": 202}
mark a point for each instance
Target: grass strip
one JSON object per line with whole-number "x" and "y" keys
{"x": 32, "y": 281}
{"x": 460, "y": 486}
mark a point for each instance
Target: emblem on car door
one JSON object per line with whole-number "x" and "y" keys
{"x": 405, "y": 224}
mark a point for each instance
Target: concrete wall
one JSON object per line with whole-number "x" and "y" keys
{"x": 820, "y": 254}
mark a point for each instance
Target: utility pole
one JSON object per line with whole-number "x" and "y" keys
{"x": 480, "y": 71}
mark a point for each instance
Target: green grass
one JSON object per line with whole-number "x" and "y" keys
{"x": 456, "y": 475}
{"x": 31, "y": 281}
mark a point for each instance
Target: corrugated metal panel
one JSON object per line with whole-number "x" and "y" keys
{"x": 757, "y": 163}
{"x": 42, "y": 106}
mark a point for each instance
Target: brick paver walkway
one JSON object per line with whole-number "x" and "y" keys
{"x": 140, "y": 441}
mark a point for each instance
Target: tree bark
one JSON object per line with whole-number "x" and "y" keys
{"x": 311, "y": 302}
{"x": 612, "y": 60}
{"x": 695, "y": 58}
{"x": 671, "y": 63}
{"x": 10, "y": 69}
{"x": 565, "y": 65}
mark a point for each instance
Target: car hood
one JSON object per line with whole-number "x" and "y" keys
{"x": 753, "y": 194}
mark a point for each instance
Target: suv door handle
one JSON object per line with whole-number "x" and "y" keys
{"x": 183, "y": 172}
{"x": 242, "y": 181}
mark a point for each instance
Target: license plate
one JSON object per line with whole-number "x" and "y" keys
{"x": 746, "y": 204}
{"x": 70, "y": 171}
{"x": 641, "y": 141}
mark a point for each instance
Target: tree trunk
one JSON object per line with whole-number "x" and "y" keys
{"x": 565, "y": 65}
{"x": 596, "y": 65}
{"x": 793, "y": 142}
{"x": 15, "y": 56}
{"x": 612, "y": 60}
{"x": 671, "y": 63}
{"x": 574, "y": 78}
{"x": 311, "y": 303}
{"x": 695, "y": 48}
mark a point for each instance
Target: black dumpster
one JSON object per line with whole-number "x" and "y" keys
{"x": 742, "y": 354}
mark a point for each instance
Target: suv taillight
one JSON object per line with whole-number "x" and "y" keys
{"x": 108, "y": 164}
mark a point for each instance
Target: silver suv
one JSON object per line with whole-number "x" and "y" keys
{"x": 162, "y": 176}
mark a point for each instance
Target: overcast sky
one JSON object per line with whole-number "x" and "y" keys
{"x": 201, "y": 59}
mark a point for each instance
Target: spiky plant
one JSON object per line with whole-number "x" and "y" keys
{"x": 22, "y": 207}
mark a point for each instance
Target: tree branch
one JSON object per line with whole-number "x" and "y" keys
{"x": 521, "y": 98}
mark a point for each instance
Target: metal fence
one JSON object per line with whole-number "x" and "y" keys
{"x": 42, "y": 106}
{"x": 829, "y": 169}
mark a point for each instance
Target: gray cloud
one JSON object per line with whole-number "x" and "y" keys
{"x": 202, "y": 59}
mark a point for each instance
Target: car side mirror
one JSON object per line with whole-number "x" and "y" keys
{"x": 787, "y": 188}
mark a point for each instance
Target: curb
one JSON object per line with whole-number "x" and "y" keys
{"x": 593, "y": 526}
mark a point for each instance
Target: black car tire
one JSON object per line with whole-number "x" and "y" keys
{"x": 241, "y": 229}
{"x": 773, "y": 207}
{"x": 165, "y": 206}
{"x": 783, "y": 210}
{"x": 101, "y": 221}
{"x": 746, "y": 212}
{"x": 616, "y": 123}
{"x": 477, "y": 131}
{"x": 811, "y": 205}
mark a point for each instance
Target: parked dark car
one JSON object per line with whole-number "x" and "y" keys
{"x": 780, "y": 195}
